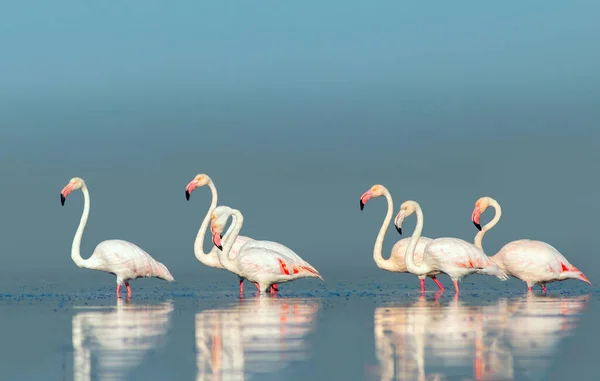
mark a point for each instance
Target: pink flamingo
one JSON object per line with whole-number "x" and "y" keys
{"x": 533, "y": 262}
{"x": 121, "y": 258}
{"x": 395, "y": 263}
{"x": 211, "y": 259}
{"x": 262, "y": 262}
{"x": 452, "y": 256}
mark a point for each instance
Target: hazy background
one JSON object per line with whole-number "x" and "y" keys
{"x": 295, "y": 109}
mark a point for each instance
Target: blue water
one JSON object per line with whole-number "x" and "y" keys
{"x": 358, "y": 325}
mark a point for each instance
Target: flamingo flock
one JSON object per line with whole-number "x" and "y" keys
{"x": 267, "y": 264}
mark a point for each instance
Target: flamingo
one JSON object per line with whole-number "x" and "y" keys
{"x": 395, "y": 263}
{"x": 533, "y": 262}
{"x": 211, "y": 259}
{"x": 262, "y": 262}
{"x": 122, "y": 258}
{"x": 452, "y": 256}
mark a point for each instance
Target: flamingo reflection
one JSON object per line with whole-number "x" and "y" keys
{"x": 513, "y": 338}
{"x": 257, "y": 336}
{"x": 117, "y": 339}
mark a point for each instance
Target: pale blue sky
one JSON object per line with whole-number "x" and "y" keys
{"x": 295, "y": 109}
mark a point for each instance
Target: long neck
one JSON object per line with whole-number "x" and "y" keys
{"x": 230, "y": 237}
{"x": 489, "y": 225}
{"x": 412, "y": 245}
{"x": 199, "y": 243}
{"x": 377, "y": 255}
{"x": 76, "y": 247}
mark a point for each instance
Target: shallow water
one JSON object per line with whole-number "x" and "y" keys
{"x": 356, "y": 326}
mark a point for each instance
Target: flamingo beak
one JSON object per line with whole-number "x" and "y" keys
{"x": 365, "y": 198}
{"x": 476, "y": 218}
{"x": 65, "y": 192}
{"x": 190, "y": 188}
{"x": 216, "y": 237}
{"x": 398, "y": 222}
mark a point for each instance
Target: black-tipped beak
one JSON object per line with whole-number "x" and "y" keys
{"x": 187, "y": 195}
{"x": 478, "y": 226}
{"x": 221, "y": 236}
{"x": 62, "y": 199}
{"x": 362, "y": 205}
{"x": 399, "y": 230}
{"x": 220, "y": 247}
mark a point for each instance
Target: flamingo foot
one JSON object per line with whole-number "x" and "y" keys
{"x": 118, "y": 291}
{"x": 441, "y": 286}
{"x": 456, "y": 286}
{"x": 422, "y": 285}
{"x": 128, "y": 289}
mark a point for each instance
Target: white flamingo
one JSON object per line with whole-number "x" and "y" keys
{"x": 263, "y": 262}
{"x": 211, "y": 259}
{"x": 533, "y": 262}
{"x": 452, "y": 256}
{"x": 395, "y": 263}
{"x": 124, "y": 259}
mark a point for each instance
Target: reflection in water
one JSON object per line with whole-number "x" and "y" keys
{"x": 514, "y": 338}
{"x": 257, "y": 336}
{"x": 117, "y": 339}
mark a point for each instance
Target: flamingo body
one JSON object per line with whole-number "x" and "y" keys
{"x": 265, "y": 263}
{"x": 127, "y": 261}
{"x": 536, "y": 262}
{"x": 459, "y": 258}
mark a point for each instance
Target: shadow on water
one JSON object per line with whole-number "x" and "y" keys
{"x": 253, "y": 337}
{"x": 108, "y": 344}
{"x": 514, "y": 338}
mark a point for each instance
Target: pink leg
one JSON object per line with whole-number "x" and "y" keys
{"x": 441, "y": 286}
{"x": 128, "y": 289}
{"x": 241, "y": 286}
{"x": 118, "y": 291}
{"x": 275, "y": 287}
{"x": 456, "y": 286}
{"x": 422, "y": 285}
{"x": 544, "y": 289}
{"x": 257, "y": 287}
{"x": 529, "y": 289}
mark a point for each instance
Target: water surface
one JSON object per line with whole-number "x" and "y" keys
{"x": 361, "y": 327}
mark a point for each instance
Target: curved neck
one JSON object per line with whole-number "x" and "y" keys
{"x": 199, "y": 242}
{"x": 377, "y": 255}
{"x": 489, "y": 225}
{"x": 412, "y": 245}
{"x": 234, "y": 229}
{"x": 76, "y": 247}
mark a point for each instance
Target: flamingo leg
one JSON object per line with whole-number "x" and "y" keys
{"x": 128, "y": 289}
{"x": 456, "y": 286}
{"x": 529, "y": 289}
{"x": 544, "y": 288}
{"x": 118, "y": 291}
{"x": 441, "y": 286}
{"x": 241, "y": 286}
{"x": 257, "y": 286}
{"x": 275, "y": 287}
{"x": 422, "y": 285}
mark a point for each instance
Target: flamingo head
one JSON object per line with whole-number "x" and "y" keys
{"x": 406, "y": 209}
{"x": 199, "y": 181}
{"x": 480, "y": 206}
{"x": 74, "y": 184}
{"x": 376, "y": 190}
{"x": 219, "y": 218}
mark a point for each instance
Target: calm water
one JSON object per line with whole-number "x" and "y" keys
{"x": 360, "y": 325}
